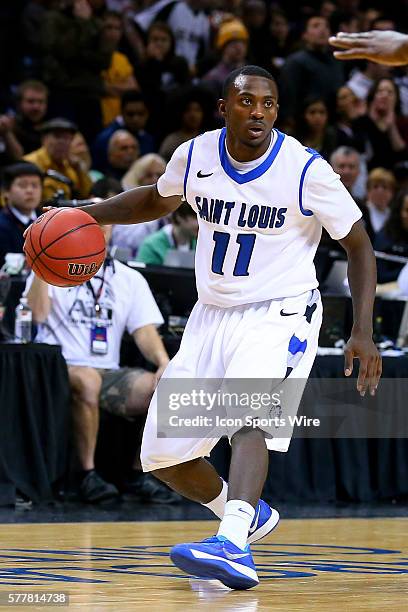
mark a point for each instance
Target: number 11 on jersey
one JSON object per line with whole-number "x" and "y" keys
{"x": 246, "y": 246}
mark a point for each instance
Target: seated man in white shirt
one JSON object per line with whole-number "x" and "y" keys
{"x": 88, "y": 321}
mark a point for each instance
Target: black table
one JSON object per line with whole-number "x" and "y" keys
{"x": 34, "y": 420}
{"x": 342, "y": 469}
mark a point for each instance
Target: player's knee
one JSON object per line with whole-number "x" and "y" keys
{"x": 246, "y": 433}
{"x": 85, "y": 386}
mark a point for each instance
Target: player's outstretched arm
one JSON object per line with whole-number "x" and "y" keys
{"x": 134, "y": 206}
{"x": 362, "y": 275}
{"x": 384, "y": 47}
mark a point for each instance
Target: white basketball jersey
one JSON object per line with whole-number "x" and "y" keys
{"x": 258, "y": 230}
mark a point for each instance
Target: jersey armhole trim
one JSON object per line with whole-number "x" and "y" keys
{"x": 305, "y": 211}
{"x": 190, "y": 152}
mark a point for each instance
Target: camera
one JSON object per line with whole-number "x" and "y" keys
{"x": 58, "y": 200}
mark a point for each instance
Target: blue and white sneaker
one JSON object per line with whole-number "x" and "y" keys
{"x": 217, "y": 558}
{"x": 265, "y": 521}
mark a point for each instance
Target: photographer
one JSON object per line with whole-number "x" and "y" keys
{"x": 57, "y": 135}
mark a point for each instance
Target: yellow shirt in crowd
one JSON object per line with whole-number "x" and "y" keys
{"x": 81, "y": 180}
{"x": 118, "y": 72}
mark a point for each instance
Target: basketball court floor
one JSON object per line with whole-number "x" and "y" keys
{"x": 307, "y": 564}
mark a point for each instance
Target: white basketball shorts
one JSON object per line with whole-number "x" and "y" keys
{"x": 274, "y": 339}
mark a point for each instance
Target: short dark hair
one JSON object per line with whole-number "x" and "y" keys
{"x": 104, "y": 186}
{"x": 31, "y": 84}
{"x": 246, "y": 71}
{"x": 183, "y": 211}
{"x": 308, "y": 18}
{"x": 10, "y": 173}
{"x": 133, "y": 95}
{"x": 111, "y": 13}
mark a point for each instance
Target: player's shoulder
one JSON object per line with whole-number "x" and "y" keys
{"x": 206, "y": 139}
{"x": 297, "y": 148}
{"x": 202, "y": 141}
{"x": 307, "y": 156}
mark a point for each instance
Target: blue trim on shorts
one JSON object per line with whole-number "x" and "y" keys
{"x": 296, "y": 345}
{"x": 190, "y": 152}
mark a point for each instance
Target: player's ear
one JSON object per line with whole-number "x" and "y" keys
{"x": 221, "y": 107}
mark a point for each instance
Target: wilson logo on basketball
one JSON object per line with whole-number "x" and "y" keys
{"x": 79, "y": 269}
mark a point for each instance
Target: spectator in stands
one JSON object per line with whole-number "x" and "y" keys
{"x": 180, "y": 234}
{"x": 382, "y": 127}
{"x": 21, "y": 191}
{"x": 313, "y": 129}
{"x": 74, "y": 57}
{"x": 144, "y": 171}
{"x": 57, "y": 135}
{"x": 346, "y": 161}
{"x": 348, "y": 108}
{"x": 232, "y": 44}
{"x": 106, "y": 187}
{"x": 119, "y": 77}
{"x": 134, "y": 117}
{"x": 280, "y": 42}
{"x": 80, "y": 156}
{"x": 123, "y": 150}
{"x": 189, "y": 23}
{"x": 191, "y": 115}
{"x": 69, "y": 317}
{"x": 310, "y": 72}
{"x": 393, "y": 239}
{"x": 327, "y": 9}
{"x": 380, "y": 192}
{"x": 362, "y": 79}
{"x": 255, "y": 18}
{"x": 343, "y": 21}
{"x": 10, "y": 148}
{"x": 32, "y": 19}
{"x": 161, "y": 70}
{"x": 32, "y": 106}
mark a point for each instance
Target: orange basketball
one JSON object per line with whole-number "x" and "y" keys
{"x": 65, "y": 247}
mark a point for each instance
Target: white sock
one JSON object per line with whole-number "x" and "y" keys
{"x": 238, "y": 516}
{"x": 217, "y": 505}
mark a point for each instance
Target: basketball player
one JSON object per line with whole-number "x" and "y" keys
{"x": 261, "y": 199}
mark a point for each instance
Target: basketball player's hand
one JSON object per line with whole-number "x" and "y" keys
{"x": 362, "y": 347}
{"x": 385, "y": 47}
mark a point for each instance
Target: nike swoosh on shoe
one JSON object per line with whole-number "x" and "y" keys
{"x": 255, "y": 526}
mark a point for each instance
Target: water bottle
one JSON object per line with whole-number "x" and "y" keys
{"x": 24, "y": 318}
